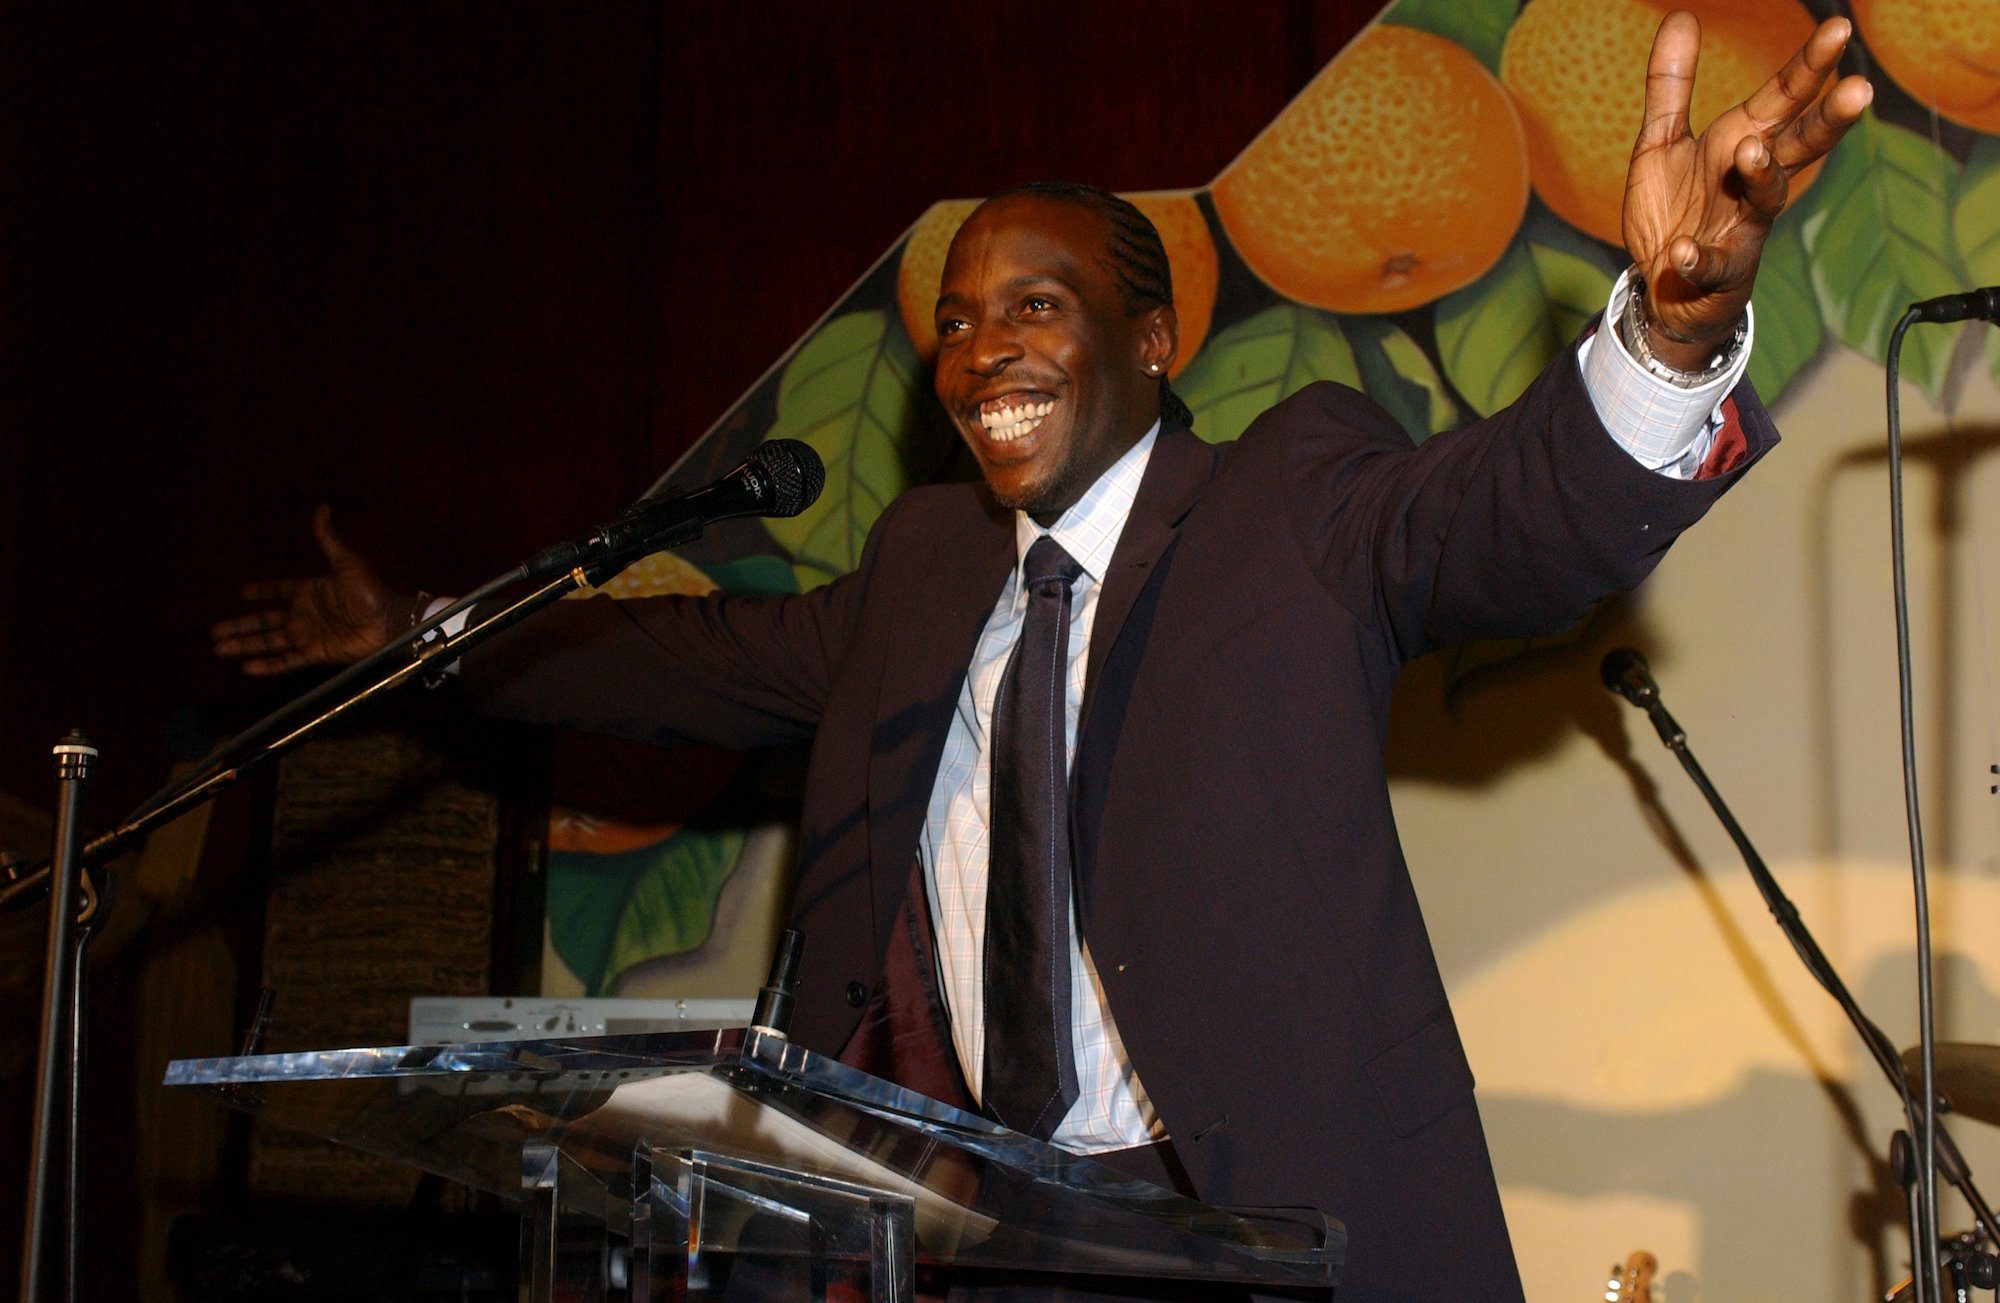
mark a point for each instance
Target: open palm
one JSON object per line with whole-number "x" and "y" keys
{"x": 1697, "y": 208}
{"x": 331, "y": 619}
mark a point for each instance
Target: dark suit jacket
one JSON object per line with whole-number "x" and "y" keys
{"x": 1240, "y": 882}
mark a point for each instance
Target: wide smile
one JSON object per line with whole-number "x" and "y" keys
{"x": 1013, "y": 417}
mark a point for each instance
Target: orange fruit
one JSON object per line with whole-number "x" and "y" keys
{"x": 693, "y": 774}
{"x": 1577, "y": 72}
{"x": 1190, "y": 256}
{"x": 1397, "y": 176}
{"x": 1944, "y": 52}
{"x": 657, "y": 575}
{"x": 1192, "y": 259}
{"x": 577, "y": 830}
{"x": 917, "y": 276}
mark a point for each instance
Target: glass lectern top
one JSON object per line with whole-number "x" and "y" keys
{"x": 984, "y": 1195}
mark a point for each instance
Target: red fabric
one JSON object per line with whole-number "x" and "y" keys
{"x": 1731, "y": 445}
{"x": 903, "y": 1036}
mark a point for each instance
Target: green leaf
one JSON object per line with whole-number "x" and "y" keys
{"x": 856, "y": 392}
{"x": 1789, "y": 333}
{"x": 1975, "y": 216}
{"x": 760, "y": 572}
{"x": 671, "y": 908}
{"x": 1396, "y": 374}
{"x": 1576, "y": 271}
{"x": 1496, "y": 335}
{"x": 609, "y": 912}
{"x": 807, "y": 576}
{"x": 1254, "y": 363}
{"x": 1478, "y": 25}
{"x": 1878, "y": 235}
{"x": 1975, "y": 227}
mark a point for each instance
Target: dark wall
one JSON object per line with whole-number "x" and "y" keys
{"x": 475, "y": 274}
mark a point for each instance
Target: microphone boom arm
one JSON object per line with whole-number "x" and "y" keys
{"x": 397, "y": 663}
{"x": 1629, "y": 679}
{"x": 782, "y": 478}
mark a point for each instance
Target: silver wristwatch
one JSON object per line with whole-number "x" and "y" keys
{"x": 1638, "y": 341}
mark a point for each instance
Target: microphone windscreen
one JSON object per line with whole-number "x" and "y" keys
{"x": 1616, "y": 669}
{"x": 797, "y": 474}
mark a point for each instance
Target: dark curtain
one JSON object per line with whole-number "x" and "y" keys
{"x": 473, "y": 273}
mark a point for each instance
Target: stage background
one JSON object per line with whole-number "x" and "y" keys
{"x": 476, "y": 277}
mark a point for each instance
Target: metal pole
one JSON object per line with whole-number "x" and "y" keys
{"x": 79, "y": 1043}
{"x": 73, "y": 757}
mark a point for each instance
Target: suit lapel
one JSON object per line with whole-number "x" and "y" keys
{"x": 1180, "y": 466}
{"x": 930, "y": 648}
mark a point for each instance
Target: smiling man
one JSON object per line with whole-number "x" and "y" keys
{"x": 1051, "y": 341}
{"x": 1096, "y": 835}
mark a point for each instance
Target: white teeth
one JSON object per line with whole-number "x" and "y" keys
{"x": 1006, "y": 424}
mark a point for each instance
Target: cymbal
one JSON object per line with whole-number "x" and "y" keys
{"x": 1967, "y": 1074}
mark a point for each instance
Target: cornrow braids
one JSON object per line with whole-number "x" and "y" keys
{"x": 1135, "y": 257}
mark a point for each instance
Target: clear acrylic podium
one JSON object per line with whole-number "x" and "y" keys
{"x": 734, "y": 1164}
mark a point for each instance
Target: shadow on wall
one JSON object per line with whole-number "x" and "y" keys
{"x": 1683, "y": 1156}
{"x": 1464, "y": 716}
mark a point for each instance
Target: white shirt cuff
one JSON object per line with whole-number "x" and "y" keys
{"x": 452, "y": 626}
{"x": 1666, "y": 428}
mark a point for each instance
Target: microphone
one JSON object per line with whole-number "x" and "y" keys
{"x": 1981, "y": 304}
{"x": 782, "y": 478}
{"x": 1624, "y": 672}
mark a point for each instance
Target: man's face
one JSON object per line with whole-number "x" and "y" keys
{"x": 1047, "y": 378}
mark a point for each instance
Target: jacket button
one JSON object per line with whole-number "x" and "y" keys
{"x": 857, "y": 994}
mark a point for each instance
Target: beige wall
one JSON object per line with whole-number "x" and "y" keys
{"x": 1655, "y": 1068}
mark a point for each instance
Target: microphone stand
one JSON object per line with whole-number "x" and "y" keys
{"x": 68, "y": 872}
{"x": 62, "y": 1019}
{"x": 423, "y": 653}
{"x": 1645, "y": 694}
{"x": 782, "y": 478}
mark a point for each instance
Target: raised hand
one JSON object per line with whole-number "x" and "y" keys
{"x": 1697, "y": 208}
{"x": 333, "y": 619}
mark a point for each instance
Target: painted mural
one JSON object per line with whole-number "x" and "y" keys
{"x": 1432, "y": 221}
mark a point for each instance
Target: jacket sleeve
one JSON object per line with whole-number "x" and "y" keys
{"x": 735, "y": 672}
{"x": 1510, "y": 527}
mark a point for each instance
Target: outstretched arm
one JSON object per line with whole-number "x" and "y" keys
{"x": 1697, "y": 208}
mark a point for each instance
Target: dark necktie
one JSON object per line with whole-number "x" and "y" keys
{"x": 1030, "y": 1074}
